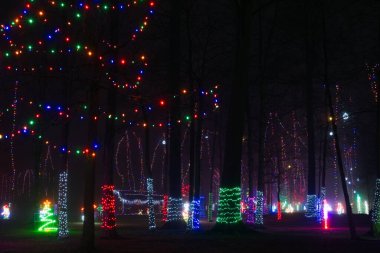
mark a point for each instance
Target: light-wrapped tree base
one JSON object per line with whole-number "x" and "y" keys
{"x": 259, "y": 218}
{"x": 229, "y": 206}
{"x": 311, "y": 206}
{"x": 63, "y": 230}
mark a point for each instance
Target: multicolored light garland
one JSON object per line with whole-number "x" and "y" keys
{"x": 63, "y": 230}
{"x": 229, "y": 206}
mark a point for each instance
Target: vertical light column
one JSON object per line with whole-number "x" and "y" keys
{"x": 63, "y": 230}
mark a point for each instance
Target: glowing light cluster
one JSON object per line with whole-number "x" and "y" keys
{"x": 152, "y": 219}
{"x": 6, "y": 213}
{"x": 229, "y": 205}
{"x": 311, "y": 206}
{"x": 339, "y": 208}
{"x": 326, "y": 209}
{"x": 175, "y": 209}
{"x": 259, "y": 218}
{"x": 109, "y": 207}
{"x": 63, "y": 230}
{"x": 47, "y": 218}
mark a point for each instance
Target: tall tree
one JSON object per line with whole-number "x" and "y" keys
{"x": 175, "y": 199}
{"x": 332, "y": 119}
{"x": 311, "y": 193}
{"x": 230, "y": 188}
{"x": 108, "y": 198}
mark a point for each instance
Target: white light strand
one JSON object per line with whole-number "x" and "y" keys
{"x": 14, "y": 109}
{"x": 135, "y": 201}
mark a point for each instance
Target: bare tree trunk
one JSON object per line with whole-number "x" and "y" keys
{"x": 332, "y": 116}
{"x": 88, "y": 236}
{"x": 311, "y": 204}
{"x": 230, "y": 190}
{"x": 175, "y": 199}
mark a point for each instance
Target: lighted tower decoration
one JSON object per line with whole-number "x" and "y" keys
{"x": 62, "y": 206}
{"x": 47, "y": 218}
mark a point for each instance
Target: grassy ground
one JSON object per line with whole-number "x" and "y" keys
{"x": 292, "y": 234}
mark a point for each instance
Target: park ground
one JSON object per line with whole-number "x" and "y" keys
{"x": 292, "y": 234}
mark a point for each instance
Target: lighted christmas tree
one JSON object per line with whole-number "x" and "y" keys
{"x": 47, "y": 218}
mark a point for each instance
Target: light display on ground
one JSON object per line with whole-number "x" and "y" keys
{"x": 229, "y": 205}
{"x": 47, "y": 218}
{"x": 6, "y": 213}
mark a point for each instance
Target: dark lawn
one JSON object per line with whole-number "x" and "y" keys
{"x": 292, "y": 234}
